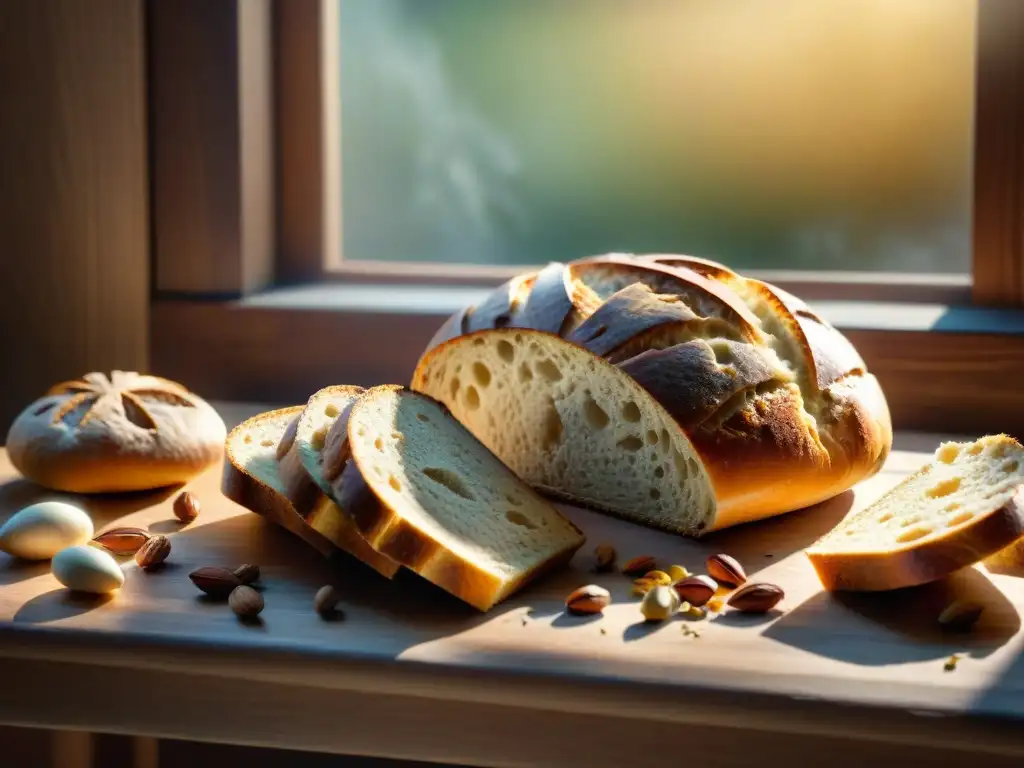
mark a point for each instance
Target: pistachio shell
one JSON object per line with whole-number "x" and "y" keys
{"x": 40, "y": 531}
{"x": 87, "y": 569}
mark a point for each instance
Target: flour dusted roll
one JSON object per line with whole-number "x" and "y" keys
{"x": 122, "y": 432}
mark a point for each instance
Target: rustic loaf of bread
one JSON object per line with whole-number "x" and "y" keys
{"x": 123, "y": 432}
{"x": 777, "y": 403}
{"x": 964, "y": 506}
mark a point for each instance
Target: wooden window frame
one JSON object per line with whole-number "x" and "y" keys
{"x": 245, "y": 175}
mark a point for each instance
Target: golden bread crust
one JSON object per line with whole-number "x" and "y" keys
{"x": 777, "y": 402}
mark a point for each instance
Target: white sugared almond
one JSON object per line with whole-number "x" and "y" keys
{"x": 40, "y": 531}
{"x": 87, "y": 569}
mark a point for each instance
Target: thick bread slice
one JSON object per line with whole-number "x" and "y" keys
{"x": 573, "y": 425}
{"x": 306, "y": 477}
{"x": 448, "y": 508}
{"x": 962, "y": 507}
{"x": 251, "y": 478}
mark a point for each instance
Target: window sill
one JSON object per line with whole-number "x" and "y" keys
{"x": 943, "y": 367}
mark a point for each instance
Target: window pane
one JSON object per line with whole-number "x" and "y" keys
{"x": 811, "y": 134}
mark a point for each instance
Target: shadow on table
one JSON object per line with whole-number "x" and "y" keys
{"x": 758, "y": 544}
{"x": 845, "y": 626}
{"x": 58, "y": 604}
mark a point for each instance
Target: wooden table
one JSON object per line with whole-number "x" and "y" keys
{"x": 412, "y": 673}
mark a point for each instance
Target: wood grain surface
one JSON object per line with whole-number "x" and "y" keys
{"x": 998, "y": 227}
{"x": 211, "y": 126}
{"x": 409, "y": 669}
{"x": 74, "y": 234}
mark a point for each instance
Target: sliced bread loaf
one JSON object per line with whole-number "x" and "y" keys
{"x": 965, "y": 505}
{"x": 251, "y": 478}
{"x": 426, "y": 493}
{"x": 306, "y": 477}
{"x": 572, "y": 424}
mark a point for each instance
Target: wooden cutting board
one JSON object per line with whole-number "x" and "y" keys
{"x": 865, "y": 665}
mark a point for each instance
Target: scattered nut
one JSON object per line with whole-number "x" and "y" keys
{"x": 638, "y": 566}
{"x": 697, "y": 590}
{"x": 642, "y": 586}
{"x": 87, "y": 569}
{"x": 658, "y": 577}
{"x": 247, "y": 573}
{"x": 660, "y": 603}
{"x": 961, "y": 615}
{"x": 951, "y": 662}
{"x": 678, "y": 573}
{"x": 245, "y": 601}
{"x": 588, "y": 600}
{"x": 153, "y": 552}
{"x": 186, "y": 507}
{"x": 756, "y": 598}
{"x": 726, "y": 570}
{"x": 326, "y": 600}
{"x": 605, "y": 555}
{"x": 216, "y": 582}
{"x": 123, "y": 541}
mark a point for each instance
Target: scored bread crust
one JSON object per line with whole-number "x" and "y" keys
{"x": 390, "y": 533}
{"x": 122, "y": 432}
{"x": 255, "y": 493}
{"x": 776, "y": 401}
{"x": 317, "y": 509}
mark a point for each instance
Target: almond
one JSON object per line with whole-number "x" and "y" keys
{"x": 123, "y": 541}
{"x": 696, "y": 590}
{"x": 638, "y": 566}
{"x": 726, "y": 570}
{"x": 247, "y": 573}
{"x": 186, "y": 507}
{"x": 153, "y": 552}
{"x": 326, "y": 600}
{"x": 756, "y": 598}
{"x": 216, "y": 582}
{"x": 588, "y": 600}
{"x": 246, "y": 602}
{"x": 604, "y": 556}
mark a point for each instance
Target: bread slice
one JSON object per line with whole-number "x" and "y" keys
{"x": 306, "y": 477}
{"x": 250, "y": 476}
{"x": 446, "y": 507}
{"x": 573, "y": 425}
{"x": 965, "y": 505}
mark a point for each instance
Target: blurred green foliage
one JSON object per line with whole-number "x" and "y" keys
{"x": 811, "y": 134}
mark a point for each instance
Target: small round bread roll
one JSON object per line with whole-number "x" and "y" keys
{"x": 128, "y": 432}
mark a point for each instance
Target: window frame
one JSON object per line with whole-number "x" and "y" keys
{"x": 246, "y": 168}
